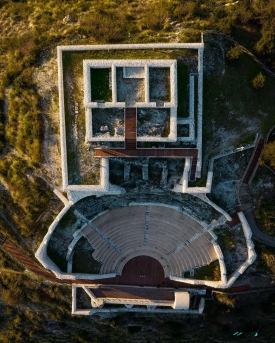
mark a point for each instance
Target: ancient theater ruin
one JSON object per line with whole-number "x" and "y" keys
{"x": 131, "y": 146}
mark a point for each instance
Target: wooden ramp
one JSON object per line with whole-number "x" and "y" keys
{"x": 131, "y": 150}
{"x": 235, "y": 219}
{"x": 253, "y": 163}
{"x": 154, "y": 152}
{"x": 130, "y": 128}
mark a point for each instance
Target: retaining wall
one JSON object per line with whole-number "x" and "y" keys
{"x": 62, "y": 120}
{"x": 199, "y": 116}
{"x": 130, "y": 46}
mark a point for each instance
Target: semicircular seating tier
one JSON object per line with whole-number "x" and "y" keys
{"x": 173, "y": 238}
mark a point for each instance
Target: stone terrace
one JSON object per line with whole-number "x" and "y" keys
{"x": 91, "y": 206}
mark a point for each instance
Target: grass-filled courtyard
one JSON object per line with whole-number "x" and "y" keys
{"x": 100, "y": 84}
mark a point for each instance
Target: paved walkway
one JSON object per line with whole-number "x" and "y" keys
{"x": 257, "y": 232}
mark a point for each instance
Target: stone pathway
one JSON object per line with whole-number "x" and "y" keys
{"x": 257, "y": 233}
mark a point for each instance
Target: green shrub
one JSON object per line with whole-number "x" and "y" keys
{"x": 234, "y": 52}
{"x": 258, "y": 81}
{"x": 29, "y": 194}
{"x": 225, "y": 299}
{"x": 24, "y": 130}
{"x": 209, "y": 272}
{"x": 269, "y": 154}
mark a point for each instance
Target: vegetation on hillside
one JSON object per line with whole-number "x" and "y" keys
{"x": 269, "y": 154}
{"x": 266, "y": 259}
{"x": 265, "y": 214}
{"x": 32, "y": 310}
{"x": 30, "y": 27}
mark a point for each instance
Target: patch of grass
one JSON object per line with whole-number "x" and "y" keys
{"x": 186, "y": 275}
{"x": 69, "y": 218}
{"x": 199, "y": 183}
{"x": 210, "y": 272}
{"x": 90, "y": 178}
{"x": 229, "y": 97}
{"x": 226, "y": 300}
{"x": 110, "y": 117}
{"x": 265, "y": 214}
{"x": 144, "y": 116}
{"x": 100, "y": 78}
{"x": 6, "y": 262}
{"x": 166, "y": 130}
{"x": 57, "y": 258}
{"x": 225, "y": 238}
{"x": 83, "y": 261}
{"x": 183, "y": 94}
{"x": 266, "y": 259}
{"x": 159, "y": 78}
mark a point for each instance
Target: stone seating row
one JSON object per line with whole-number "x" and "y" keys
{"x": 176, "y": 215}
{"x": 173, "y": 234}
{"x": 181, "y": 253}
{"x": 124, "y": 227}
{"x": 121, "y": 228}
{"x": 188, "y": 257}
{"x": 137, "y": 245}
{"x": 118, "y": 212}
{"x": 95, "y": 239}
{"x": 100, "y": 245}
{"x": 111, "y": 224}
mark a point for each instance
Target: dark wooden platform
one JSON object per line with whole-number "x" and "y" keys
{"x": 130, "y": 128}
{"x": 131, "y": 150}
{"x": 254, "y": 161}
{"x": 179, "y": 153}
{"x": 134, "y": 293}
{"x": 235, "y": 220}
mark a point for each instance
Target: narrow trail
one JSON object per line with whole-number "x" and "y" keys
{"x": 244, "y": 197}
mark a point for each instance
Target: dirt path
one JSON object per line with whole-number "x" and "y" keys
{"x": 257, "y": 233}
{"x": 245, "y": 199}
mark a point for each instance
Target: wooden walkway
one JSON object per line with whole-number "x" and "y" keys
{"x": 130, "y": 128}
{"x": 132, "y": 293}
{"x": 28, "y": 262}
{"x": 235, "y": 220}
{"x": 131, "y": 150}
{"x": 253, "y": 163}
{"x": 244, "y": 197}
{"x": 243, "y": 190}
{"x": 179, "y": 153}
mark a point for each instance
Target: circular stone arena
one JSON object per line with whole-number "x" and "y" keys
{"x": 103, "y": 236}
{"x": 173, "y": 238}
